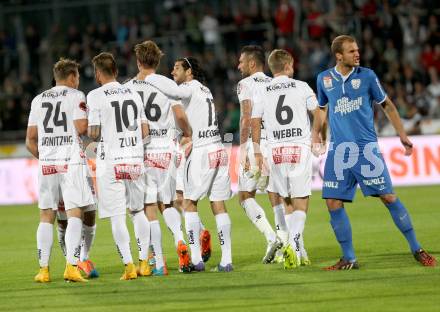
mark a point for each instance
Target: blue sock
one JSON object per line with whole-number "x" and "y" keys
{"x": 342, "y": 228}
{"x": 402, "y": 220}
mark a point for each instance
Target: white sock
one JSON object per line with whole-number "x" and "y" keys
{"x": 87, "y": 241}
{"x": 202, "y": 226}
{"x": 156, "y": 242}
{"x": 44, "y": 242}
{"x": 257, "y": 216}
{"x": 295, "y": 222}
{"x": 61, "y": 241}
{"x": 224, "y": 235}
{"x": 73, "y": 239}
{"x": 121, "y": 238}
{"x": 174, "y": 223}
{"x": 280, "y": 223}
{"x": 192, "y": 225}
{"x": 303, "y": 248}
{"x": 141, "y": 227}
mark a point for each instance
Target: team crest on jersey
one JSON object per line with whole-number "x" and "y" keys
{"x": 355, "y": 83}
{"x": 328, "y": 83}
{"x": 83, "y": 106}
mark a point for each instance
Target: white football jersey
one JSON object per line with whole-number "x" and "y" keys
{"x": 283, "y": 105}
{"x": 158, "y": 109}
{"x": 119, "y": 111}
{"x": 199, "y": 107}
{"x": 53, "y": 112}
{"x": 248, "y": 89}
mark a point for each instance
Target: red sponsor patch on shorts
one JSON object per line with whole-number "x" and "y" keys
{"x": 218, "y": 159}
{"x": 53, "y": 169}
{"x": 286, "y": 155}
{"x": 157, "y": 160}
{"x": 127, "y": 171}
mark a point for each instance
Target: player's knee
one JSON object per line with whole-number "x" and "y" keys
{"x": 242, "y": 196}
{"x": 47, "y": 216}
{"x": 333, "y": 204}
{"x": 388, "y": 198}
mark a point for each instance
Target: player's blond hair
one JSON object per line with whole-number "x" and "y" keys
{"x": 148, "y": 54}
{"x": 337, "y": 43}
{"x": 278, "y": 58}
{"x": 106, "y": 64}
{"x": 63, "y": 68}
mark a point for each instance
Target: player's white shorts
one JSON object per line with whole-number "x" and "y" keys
{"x": 290, "y": 169}
{"x": 207, "y": 173}
{"x": 61, "y": 212}
{"x": 180, "y": 170}
{"x": 246, "y": 183}
{"x": 160, "y": 175}
{"x": 119, "y": 187}
{"x": 67, "y": 182}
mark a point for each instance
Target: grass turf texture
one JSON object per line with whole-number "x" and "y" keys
{"x": 389, "y": 278}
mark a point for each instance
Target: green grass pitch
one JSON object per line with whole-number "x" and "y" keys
{"x": 389, "y": 278}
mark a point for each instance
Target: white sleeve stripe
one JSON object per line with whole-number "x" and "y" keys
{"x": 380, "y": 102}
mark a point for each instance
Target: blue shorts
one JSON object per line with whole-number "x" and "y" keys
{"x": 340, "y": 182}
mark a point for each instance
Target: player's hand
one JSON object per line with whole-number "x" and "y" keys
{"x": 318, "y": 147}
{"x": 407, "y": 144}
{"x": 244, "y": 159}
{"x": 186, "y": 144}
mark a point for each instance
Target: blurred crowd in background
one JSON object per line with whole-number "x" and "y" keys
{"x": 400, "y": 40}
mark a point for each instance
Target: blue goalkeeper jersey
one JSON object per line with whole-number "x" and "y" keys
{"x": 350, "y": 104}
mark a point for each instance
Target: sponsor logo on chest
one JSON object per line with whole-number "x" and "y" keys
{"x": 328, "y": 82}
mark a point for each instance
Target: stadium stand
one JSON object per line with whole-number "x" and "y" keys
{"x": 400, "y": 40}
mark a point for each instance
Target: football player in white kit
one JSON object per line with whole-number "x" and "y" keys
{"x": 161, "y": 154}
{"x": 57, "y": 119}
{"x": 206, "y": 167}
{"x": 251, "y": 66}
{"x": 283, "y": 104}
{"x": 117, "y": 120}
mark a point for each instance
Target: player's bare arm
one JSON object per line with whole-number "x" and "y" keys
{"x": 245, "y": 125}
{"x": 319, "y": 131}
{"x": 94, "y": 132}
{"x": 256, "y": 137}
{"x": 392, "y": 114}
{"x": 145, "y": 130}
{"x": 32, "y": 140}
{"x": 81, "y": 126}
{"x": 182, "y": 120}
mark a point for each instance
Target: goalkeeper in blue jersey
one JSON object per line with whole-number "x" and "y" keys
{"x": 348, "y": 92}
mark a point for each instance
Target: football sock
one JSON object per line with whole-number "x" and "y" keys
{"x": 295, "y": 222}
{"x": 61, "y": 235}
{"x": 73, "y": 239}
{"x": 192, "y": 225}
{"x": 141, "y": 228}
{"x": 156, "y": 242}
{"x": 121, "y": 238}
{"x": 257, "y": 216}
{"x": 342, "y": 228}
{"x": 44, "y": 242}
{"x": 303, "y": 248}
{"x": 87, "y": 241}
{"x": 224, "y": 235}
{"x": 402, "y": 220}
{"x": 174, "y": 223}
{"x": 280, "y": 223}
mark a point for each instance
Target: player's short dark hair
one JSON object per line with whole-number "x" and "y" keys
{"x": 105, "y": 63}
{"x": 278, "y": 58}
{"x": 148, "y": 54}
{"x": 255, "y": 52}
{"x": 337, "y": 43}
{"x": 63, "y": 68}
{"x": 196, "y": 69}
